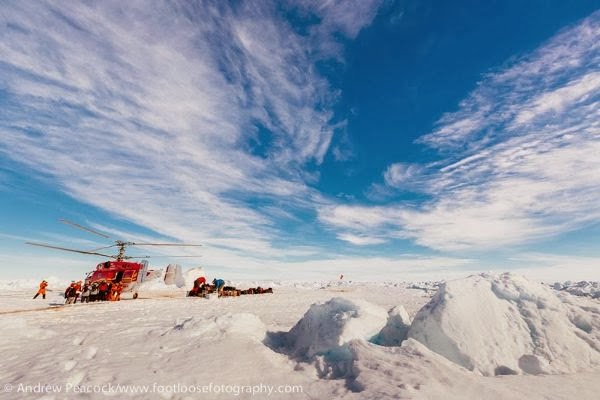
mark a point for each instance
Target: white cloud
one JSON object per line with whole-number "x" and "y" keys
{"x": 344, "y": 17}
{"x": 557, "y": 100}
{"x": 151, "y": 113}
{"x": 360, "y": 240}
{"x": 347, "y": 16}
{"x": 551, "y": 268}
{"x": 355, "y": 217}
{"x": 522, "y": 157}
{"x": 400, "y": 174}
{"x": 565, "y": 60}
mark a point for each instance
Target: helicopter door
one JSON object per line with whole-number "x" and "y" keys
{"x": 118, "y": 277}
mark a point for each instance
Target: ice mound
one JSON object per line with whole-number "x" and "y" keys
{"x": 326, "y": 328}
{"x": 582, "y": 288}
{"x": 396, "y": 328}
{"x": 504, "y": 324}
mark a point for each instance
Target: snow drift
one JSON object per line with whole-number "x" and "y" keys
{"x": 498, "y": 325}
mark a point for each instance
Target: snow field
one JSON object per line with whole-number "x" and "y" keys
{"x": 495, "y": 334}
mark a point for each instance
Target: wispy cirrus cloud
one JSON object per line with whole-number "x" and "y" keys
{"x": 566, "y": 61}
{"x": 326, "y": 19}
{"x": 360, "y": 240}
{"x": 400, "y": 174}
{"x": 189, "y": 118}
{"x": 520, "y": 156}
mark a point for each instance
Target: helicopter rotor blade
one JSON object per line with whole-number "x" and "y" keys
{"x": 164, "y": 244}
{"x": 64, "y": 221}
{"x": 72, "y": 250}
{"x": 174, "y": 256}
{"x": 102, "y": 248}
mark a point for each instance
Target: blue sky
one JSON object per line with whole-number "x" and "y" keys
{"x": 302, "y": 139}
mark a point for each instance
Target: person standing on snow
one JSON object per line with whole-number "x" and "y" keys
{"x": 94, "y": 292}
{"x": 42, "y": 290}
{"x": 71, "y": 294}
{"x": 118, "y": 291}
{"x": 85, "y": 294}
{"x": 103, "y": 291}
{"x": 219, "y": 284}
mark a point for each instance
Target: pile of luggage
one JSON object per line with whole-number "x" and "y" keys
{"x": 256, "y": 290}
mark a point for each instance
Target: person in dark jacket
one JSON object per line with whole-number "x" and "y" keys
{"x": 219, "y": 285}
{"x": 70, "y": 294}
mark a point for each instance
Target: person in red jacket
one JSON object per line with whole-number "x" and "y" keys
{"x": 41, "y": 290}
{"x": 71, "y": 294}
{"x": 198, "y": 286}
{"x": 200, "y": 281}
{"x": 103, "y": 291}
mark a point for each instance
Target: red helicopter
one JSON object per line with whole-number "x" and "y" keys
{"x": 128, "y": 273}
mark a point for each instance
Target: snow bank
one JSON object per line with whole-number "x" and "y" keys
{"x": 327, "y": 327}
{"x": 498, "y": 325}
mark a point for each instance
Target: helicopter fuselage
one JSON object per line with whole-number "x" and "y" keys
{"x": 125, "y": 272}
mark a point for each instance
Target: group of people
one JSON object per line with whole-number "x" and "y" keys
{"x": 201, "y": 288}
{"x": 96, "y": 291}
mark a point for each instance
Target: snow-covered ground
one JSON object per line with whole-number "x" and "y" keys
{"x": 484, "y": 336}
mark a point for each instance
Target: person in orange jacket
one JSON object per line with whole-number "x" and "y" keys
{"x": 112, "y": 295}
{"x": 41, "y": 290}
{"x": 77, "y": 287}
{"x": 118, "y": 288}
